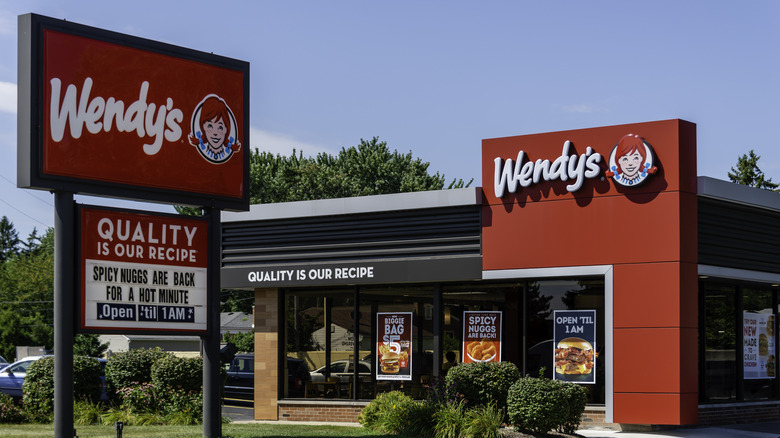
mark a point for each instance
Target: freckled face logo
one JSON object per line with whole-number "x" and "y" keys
{"x": 214, "y": 130}
{"x": 631, "y": 161}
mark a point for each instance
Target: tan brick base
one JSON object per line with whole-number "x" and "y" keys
{"x": 334, "y": 412}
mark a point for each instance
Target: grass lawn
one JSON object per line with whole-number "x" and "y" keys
{"x": 228, "y": 431}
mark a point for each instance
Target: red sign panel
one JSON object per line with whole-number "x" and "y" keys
{"x": 142, "y": 272}
{"x": 128, "y": 117}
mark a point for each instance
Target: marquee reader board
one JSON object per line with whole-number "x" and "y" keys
{"x": 109, "y": 114}
{"x": 141, "y": 272}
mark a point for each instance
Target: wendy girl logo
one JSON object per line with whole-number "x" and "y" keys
{"x": 214, "y": 130}
{"x": 631, "y": 161}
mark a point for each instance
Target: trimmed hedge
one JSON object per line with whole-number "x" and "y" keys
{"x": 481, "y": 384}
{"x": 130, "y": 368}
{"x": 172, "y": 373}
{"x": 539, "y": 405}
{"x": 38, "y": 387}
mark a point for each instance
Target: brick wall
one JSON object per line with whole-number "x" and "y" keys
{"x": 266, "y": 365}
{"x": 333, "y": 412}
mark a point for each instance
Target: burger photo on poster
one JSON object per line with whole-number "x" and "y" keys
{"x": 389, "y": 362}
{"x": 574, "y": 356}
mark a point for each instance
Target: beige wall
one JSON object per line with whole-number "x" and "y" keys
{"x": 266, "y": 365}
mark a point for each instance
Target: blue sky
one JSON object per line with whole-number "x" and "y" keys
{"x": 437, "y": 77}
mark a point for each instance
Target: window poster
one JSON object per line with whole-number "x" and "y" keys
{"x": 758, "y": 342}
{"x": 481, "y": 336}
{"x": 575, "y": 354}
{"x": 394, "y": 346}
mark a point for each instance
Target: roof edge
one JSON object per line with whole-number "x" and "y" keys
{"x": 359, "y": 204}
{"x": 737, "y": 193}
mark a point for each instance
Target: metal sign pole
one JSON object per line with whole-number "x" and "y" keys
{"x": 212, "y": 412}
{"x": 64, "y": 255}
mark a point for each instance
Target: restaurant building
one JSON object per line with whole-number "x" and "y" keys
{"x": 674, "y": 278}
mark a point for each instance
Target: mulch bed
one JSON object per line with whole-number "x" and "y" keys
{"x": 509, "y": 432}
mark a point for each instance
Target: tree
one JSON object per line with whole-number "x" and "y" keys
{"x": 9, "y": 240}
{"x": 749, "y": 174}
{"x": 366, "y": 169}
{"x": 88, "y": 345}
{"x": 27, "y": 296}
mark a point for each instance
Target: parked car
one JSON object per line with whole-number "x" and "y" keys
{"x": 241, "y": 377}
{"x": 3, "y": 362}
{"x": 12, "y": 377}
{"x": 343, "y": 369}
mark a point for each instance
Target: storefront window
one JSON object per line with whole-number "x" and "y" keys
{"x": 320, "y": 332}
{"x": 739, "y": 341}
{"x": 334, "y": 332}
{"x": 545, "y": 297}
{"x": 402, "y": 299}
{"x": 720, "y": 353}
{"x": 758, "y": 302}
{"x": 479, "y": 297}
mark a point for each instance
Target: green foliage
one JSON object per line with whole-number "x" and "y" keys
{"x": 481, "y": 384}
{"x": 389, "y": 412}
{"x": 172, "y": 373}
{"x": 366, "y": 169}
{"x": 88, "y": 345}
{"x": 138, "y": 398}
{"x": 38, "y": 387}
{"x": 9, "y": 240}
{"x": 450, "y": 420}
{"x": 130, "y": 368}
{"x": 245, "y": 342}
{"x": 538, "y": 405}
{"x": 26, "y": 289}
{"x": 749, "y": 174}
{"x": 10, "y": 411}
{"x": 484, "y": 421}
{"x": 237, "y": 300}
{"x": 88, "y": 412}
{"x": 182, "y": 407}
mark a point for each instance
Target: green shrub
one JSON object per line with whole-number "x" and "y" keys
{"x": 131, "y": 368}
{"x": 138, "y": 398}
{"x": 450, "y": 420}
{"x": 481, "y": 384}
{"x": 171, "y": 373}
{"x": 10, "y": 411}
{"x": 390, "y": 412}
{"x": 87, "y": 412}
{"x": 182, "y": 407}
{"x": 38, "y": 387}
{"x": 483, "y": 422}
{"x": 539, "y": 405}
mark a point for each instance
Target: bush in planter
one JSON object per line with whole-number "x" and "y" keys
{"x": 539, "y": 405}
{"x": 481, "y": 384}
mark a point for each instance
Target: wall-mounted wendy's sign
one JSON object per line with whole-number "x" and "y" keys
{"x": 631, "y": 162}
{"x": 110, "y": 114}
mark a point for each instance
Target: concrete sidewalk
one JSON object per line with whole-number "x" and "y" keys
{"x": 753, "y": 430}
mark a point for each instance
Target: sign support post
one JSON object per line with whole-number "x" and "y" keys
{"x": 64, "y": 297}
{"x": 212, "y": 412}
